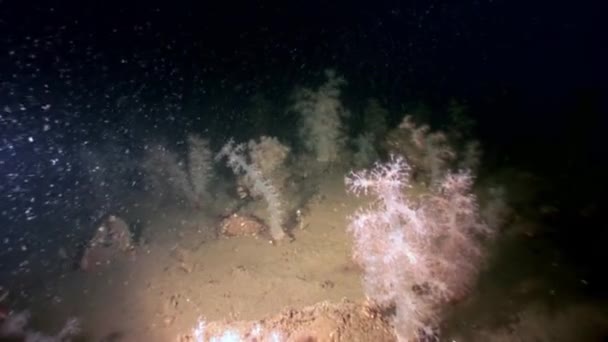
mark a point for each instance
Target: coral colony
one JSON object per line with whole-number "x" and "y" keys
{"x": 236, "y": 159}
{"x": 416, "y": 253}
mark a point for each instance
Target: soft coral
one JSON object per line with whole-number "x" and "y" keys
{"x": 416, "y": 253}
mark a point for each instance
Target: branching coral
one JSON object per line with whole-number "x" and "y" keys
{"x": 429, "y": 152}
{"x": 166, "y": 173}
{"x": 237, "y": 160}
{"x": 321, "y": 113}
{"x": 416, "y": 253}
{"x": 268, "y": 154}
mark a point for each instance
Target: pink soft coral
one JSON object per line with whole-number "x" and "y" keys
{"x": 416, "y": 253}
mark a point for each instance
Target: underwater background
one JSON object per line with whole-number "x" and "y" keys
{"x": 302, "y": 171}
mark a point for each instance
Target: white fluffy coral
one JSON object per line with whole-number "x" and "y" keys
{"x": 237, "y": 161}
{"x": 226, "y": 333}
{"x": 416, "y": 254}
{"x": 268, "y": 154}
{"x": 429, "y": 152}
{"x": 321, "y": 113}
{"x": 168, "y": 174}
